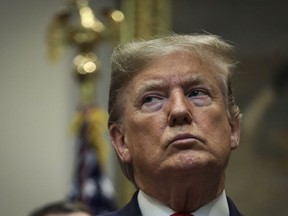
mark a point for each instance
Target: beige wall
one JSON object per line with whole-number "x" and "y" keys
{"x": 37, "y": 104}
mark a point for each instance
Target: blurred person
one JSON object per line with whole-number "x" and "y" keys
{"x": 173, "y": 122}
{"x": 63, "y": 208}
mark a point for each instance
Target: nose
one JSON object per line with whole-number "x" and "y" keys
{"x": 179, "y": 109}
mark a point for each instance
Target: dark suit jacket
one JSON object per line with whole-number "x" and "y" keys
{"x": 132, "y": 209}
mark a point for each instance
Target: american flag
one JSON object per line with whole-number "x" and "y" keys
{"x": 91, "y": 184}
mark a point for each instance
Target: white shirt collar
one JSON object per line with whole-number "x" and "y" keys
{"x": 150, "y": 206}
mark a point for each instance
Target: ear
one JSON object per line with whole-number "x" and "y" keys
{"x": 235, "y": 133}
{"x": 117, "y": 135}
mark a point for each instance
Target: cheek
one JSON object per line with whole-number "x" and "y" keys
{"x": 145, "y": 124}
{"x": 216, "y": 127}
{"x": 144, "y": 133}
{"x": 216, "y": 131}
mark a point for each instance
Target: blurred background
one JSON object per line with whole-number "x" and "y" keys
{"x": 40, "y": 96}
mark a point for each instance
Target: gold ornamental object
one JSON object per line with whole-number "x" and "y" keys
{"x": 76, "y": 25}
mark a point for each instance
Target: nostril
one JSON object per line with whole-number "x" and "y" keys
{"x": 179, "y": 115}
{"x": 180, "y": 120}
{"x": 175, "y": 121}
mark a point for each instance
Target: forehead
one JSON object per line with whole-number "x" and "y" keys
{"x": 175, "y": 68}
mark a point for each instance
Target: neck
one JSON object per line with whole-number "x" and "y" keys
{"x": 186, "y": 193}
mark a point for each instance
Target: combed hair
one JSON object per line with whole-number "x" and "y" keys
{"x": 131, "y": 58}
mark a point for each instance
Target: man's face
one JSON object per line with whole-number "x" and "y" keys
{"x": 174, "y": 120}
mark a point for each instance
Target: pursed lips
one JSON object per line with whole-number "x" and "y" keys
{"x": 184, "y": 138}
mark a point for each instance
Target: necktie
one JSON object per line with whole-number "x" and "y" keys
{"x": 181, "y": 214}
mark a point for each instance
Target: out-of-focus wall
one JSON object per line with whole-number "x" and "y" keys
{"x": 36, "y": 106}
{"x": 38, "y": 100}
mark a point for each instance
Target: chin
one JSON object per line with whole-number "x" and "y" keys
{"x": 196, "y": 161}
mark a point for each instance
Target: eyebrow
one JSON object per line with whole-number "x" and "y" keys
{"x": 160, "y": 82}
{"x": 150, "y": 85}
{"x": 196, "y": 79}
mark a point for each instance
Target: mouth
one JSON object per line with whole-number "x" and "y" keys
{"x": 184, "y": 140}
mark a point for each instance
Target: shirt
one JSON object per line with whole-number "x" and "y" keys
{"x": 150, "y": 206}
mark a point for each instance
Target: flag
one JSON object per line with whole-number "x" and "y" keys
{"x": 91, "y": 185}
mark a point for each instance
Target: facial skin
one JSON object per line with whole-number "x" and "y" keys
{"x": 176, "y": 132}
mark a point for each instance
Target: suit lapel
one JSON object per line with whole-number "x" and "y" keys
{"x": 233, "y": 211}
{"x": 132, "y": 208}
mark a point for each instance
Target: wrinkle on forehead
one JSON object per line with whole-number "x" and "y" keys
{"x": 183, "y": 69}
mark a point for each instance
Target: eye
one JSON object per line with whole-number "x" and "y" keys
{"x": 199, "y": 97}
{"x": 198, "y": 93}
{"x": 150, "y": 99}
{"x": 152, "y": 103}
